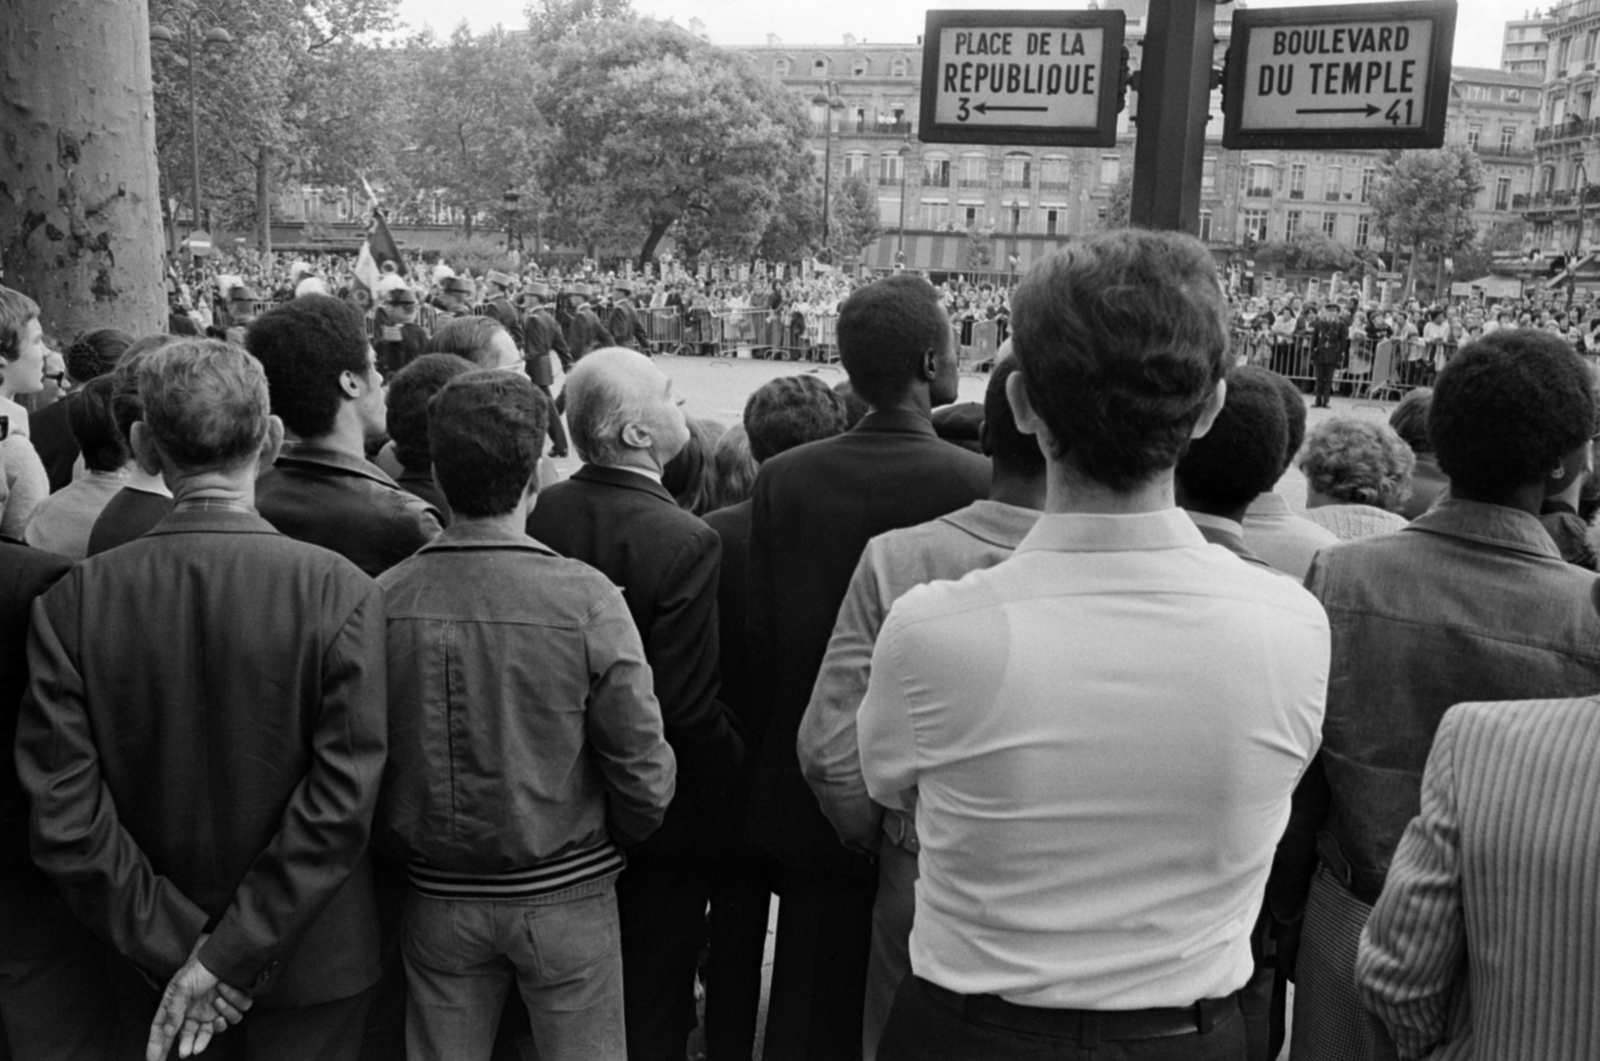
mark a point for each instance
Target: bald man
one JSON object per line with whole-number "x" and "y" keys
{"x": 615, "y": 515}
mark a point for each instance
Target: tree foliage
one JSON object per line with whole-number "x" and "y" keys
{"x": 1424, "y": 200}
{"x": 654, "y": 128}
{"x": 1308, "y": 251}
{"x": 854, "y": 218}
{"x": 1117, "y": 206}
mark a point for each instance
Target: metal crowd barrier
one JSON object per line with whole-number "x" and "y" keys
{"x": 664, "y": 326}
{"x": 982, "y": 346}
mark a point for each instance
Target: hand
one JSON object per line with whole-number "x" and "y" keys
{"x": 195, "y": 1006}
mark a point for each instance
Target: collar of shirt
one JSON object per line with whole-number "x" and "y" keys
{"x": 1077, "y": 532}
{"x": 212, "y": 504}
{"x": 994, "y": 522}
{"x": 1270, "y": 504}
{"x": 306, "y": 453}
{"x": 459, "y": 536}
{"x": 653, "y": 476}
{"x": 1204, "y": 519}
{"x": 896, "y": 420}
{"x": 1498, "y": 525}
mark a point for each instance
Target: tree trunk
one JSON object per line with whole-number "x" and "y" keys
{"x": 1411, "y": 274}
{"x": 80, "y": 216}
{"x": 264, "y": 200}
{"x": 647, "y": 253}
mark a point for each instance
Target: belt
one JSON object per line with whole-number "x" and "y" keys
{"x": 1088, "y": 1026}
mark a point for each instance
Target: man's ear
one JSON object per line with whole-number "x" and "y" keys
{"x": 271, "y": 444}
{"x": 1213, "y": 407}
{"x": 1028, "y": 421}
{"x": 144, "y": 448}
{"x": 636, "y": 436}
{"x": 349, "y": 384}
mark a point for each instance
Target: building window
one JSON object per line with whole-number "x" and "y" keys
{"x": 1208, "y": 173}
{"x": 1369, "y": 180}
{"x": 1513, "y": 95}
{"x": 1297, "y": 180}
{"x": 1474, "y": 136}
{"x": 781, "y": 67}
{"x": 936, "y": 171}
{"x": 1255, "y": 225}
{"x": 1260, "y": 179}
{"x": 1054, "y": 173}
{"x": 1019, "y": 171}
{"x": 1332, "y": 184}
{"x": 1502, "y": 193}
{"x": 855, "y": 164}
{"x": 1016, "y": 217}
{"x": 858, "y": 68}
{"x": 1508, "y": 138}
{"x": 974, "y": 171}
{"x": 1110, "y": 168}
{"x": 1205, "y": 226}
{"x": 935, "y": 214}
{"x": 1052, "y": 222}
{"x": 819, "y": 68}
{"x": 898, "y": 67}
{"x": 890, "y": 167}
{"x": 1330, "y": 224}
{"x": 1291, "y": 224}
{"x": 1363, "y": 230}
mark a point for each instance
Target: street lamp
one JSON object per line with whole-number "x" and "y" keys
{"x": 511, "y": 197}
{"x": 1577, "y": 241}
{"x": 1016, "y": 243}
{"x": 829, "y": 101}
{"x": 905, "y": 170}
{"x": 215, "y": 38}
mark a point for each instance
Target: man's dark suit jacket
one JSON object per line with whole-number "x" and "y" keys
{"x": 541, "y": 334}
{"x": 318, "y": 495}
{"x": 666, "y": 562}
{"x": 585, "y": 333}
{"x": 626, "y": 327}
{"x": 203, "y": 739}
{"x": 53, "y": 440}
{"x": 814, "y": 509}
{"x": 24, "y": 892}
{"x": 732, "y": 525}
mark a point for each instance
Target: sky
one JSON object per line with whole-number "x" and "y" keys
{"x": 1480, "y": 24}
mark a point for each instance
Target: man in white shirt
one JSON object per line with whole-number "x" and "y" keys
{"x": 1103, "y": 732}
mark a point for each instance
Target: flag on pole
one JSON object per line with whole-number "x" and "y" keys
{"x": 378, "y": 248}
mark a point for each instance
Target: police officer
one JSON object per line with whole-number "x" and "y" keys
{"x": 624, "y": 322}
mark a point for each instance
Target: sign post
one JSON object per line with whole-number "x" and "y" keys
{"x": 1174, "y": 96}
{"x": 1050, "y": 78}
{"x": 1347, "y": 76}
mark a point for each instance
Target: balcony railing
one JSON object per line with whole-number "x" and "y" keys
{"x": 1571, "y": 129}
{"x": 888, "y": 182}
{"x": 1258, "y": 193}
{"x": 1018, "y": 182}
{"x": 1519, "y": 201}
{"x": 974, "y": 182}
{"x": 936, "y": 180}
{"x": 1052, "y": 186}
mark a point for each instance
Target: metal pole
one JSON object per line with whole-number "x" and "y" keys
{"x": 905, "y": 171}
{"x": 1577, "y": 242}
{"x": 827, "y": 167}
{"x": 194, "y": 131}
{"x": 1174, "y": 96}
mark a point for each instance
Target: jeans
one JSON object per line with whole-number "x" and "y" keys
{"x": 563, "y": 950}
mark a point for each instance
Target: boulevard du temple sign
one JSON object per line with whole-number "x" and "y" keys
{"x": 1351, "y": 76}
{"x": 1022, "y": 77}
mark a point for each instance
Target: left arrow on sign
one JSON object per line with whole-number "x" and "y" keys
{"x": 1369, "y": 110}
{"x": 985, "y": 108}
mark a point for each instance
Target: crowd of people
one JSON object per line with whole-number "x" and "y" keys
{"x": 344, "y": 728}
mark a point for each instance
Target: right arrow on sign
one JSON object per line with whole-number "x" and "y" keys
{"x": 1369, "y": 110}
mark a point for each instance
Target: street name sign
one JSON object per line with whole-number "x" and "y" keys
{"x": 1346, "y": 76}
{"x": 1048, "y": 78}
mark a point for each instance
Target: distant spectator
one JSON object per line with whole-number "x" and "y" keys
{"x": 1358, "y": 473}
{"x": 410, "y": 391}
{"x": 1273, "y": 531}
{"x": 22, "y": 358}
{"x": 1410, "y": 422}
{"x": 144, "y": 499}
{"x": 735, "y": 469}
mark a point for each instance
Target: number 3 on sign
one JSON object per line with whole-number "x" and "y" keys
{"x": 962, "y": 113}
{"x": 1393, "y": 113}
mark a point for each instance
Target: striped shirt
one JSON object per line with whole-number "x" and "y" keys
{"x": 548, "y": 877}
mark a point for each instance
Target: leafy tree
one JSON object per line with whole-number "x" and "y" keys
{"x": 654, "y": 128}
{"x": 1117, "y": 205}
{"x": 1502, "y": 240}
{"x": 796, "y": 224}
{"x": 550, "y": 20}
{"x": 1308, "y": 251}
{"x": 853, "y": 220}
{"x": 1424, "y": 201}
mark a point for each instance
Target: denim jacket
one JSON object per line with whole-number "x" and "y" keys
{"x": 522, "y": 722}
{"x": 1470, "y": 602}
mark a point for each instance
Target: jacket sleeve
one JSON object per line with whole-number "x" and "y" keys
{"x": 830, "y": 754}
{"x": 888, "y": 739}
{"x": 1412, "y": 963}
{"x": 682, "y": 643}
{"x": 105, "y": 878}
{"x": 623, "y": 726}
{"x": 324, "y": 830}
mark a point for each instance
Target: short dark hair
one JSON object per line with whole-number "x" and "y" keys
{"x": 94, "y": 354}
{"x": 1122, "y": 338}
{"x": 304, "y": 345}
{"x": 1410, "y": 419}
{"x": 1241, "y": 457}
{"x": 126, "y": 406}
{"x": 1294, "y": 409}
{"x": 467, "y": 337}
{"x": 16, "y": 310}
{"x": 205, "y": 403}
{"x": 90, "y": 420}
{"x": 409, "y": 393}
{"x": 885, "y": 329}
{"x": 485, "y": 432}
{"x": 1008, "y": 448}
{"x": 786, "y": 412}
{"x": 1506, "y": 409}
